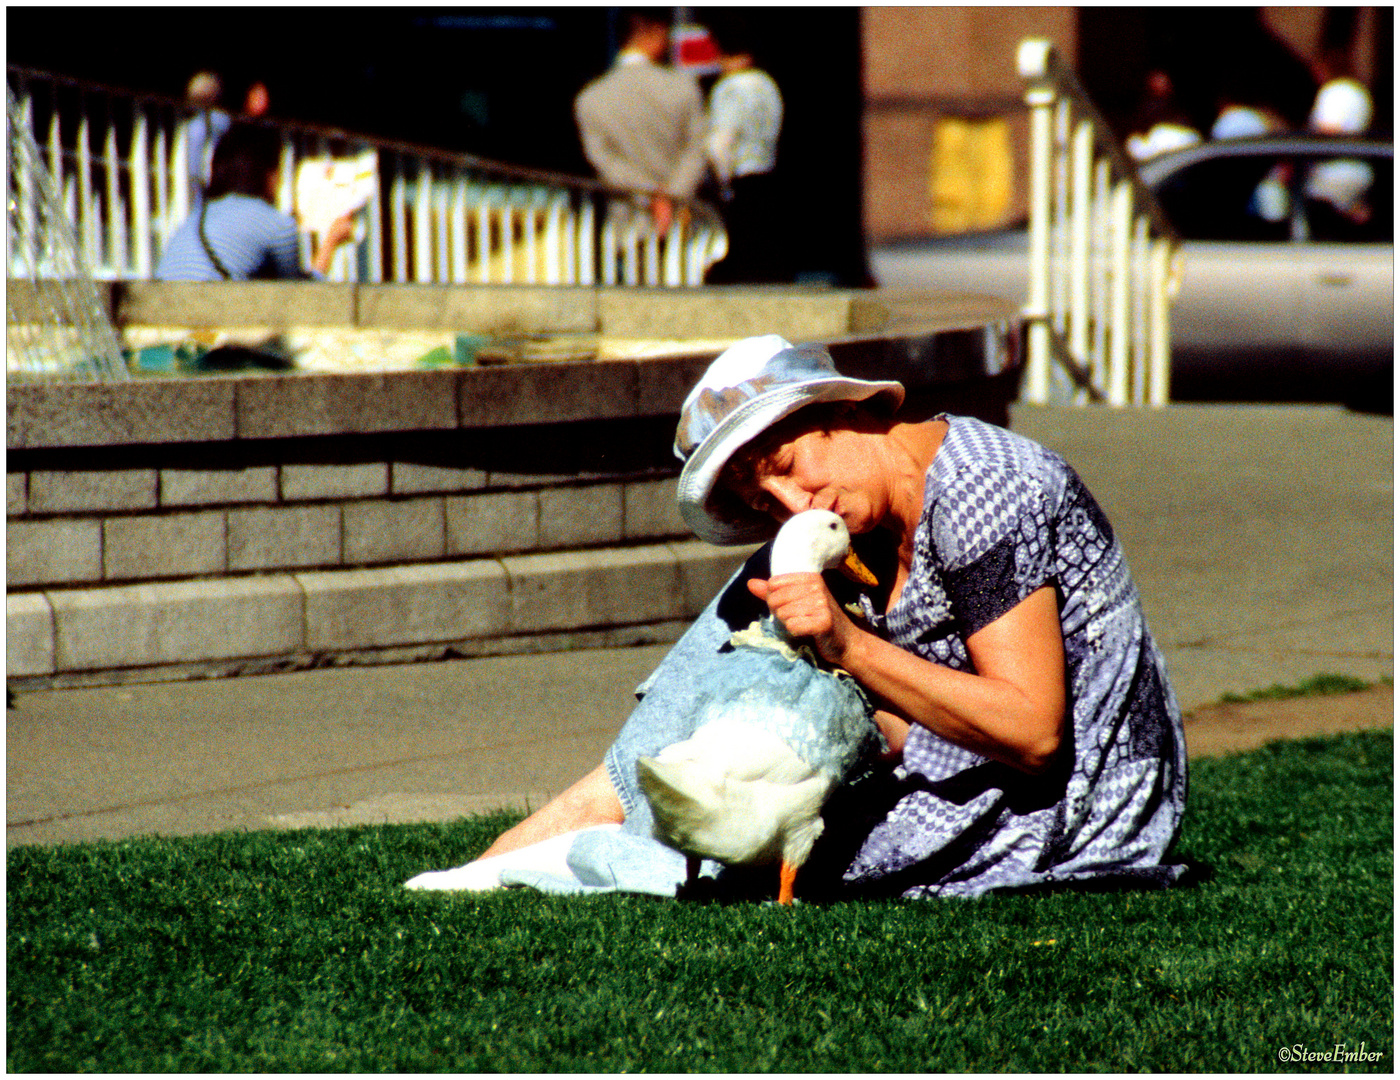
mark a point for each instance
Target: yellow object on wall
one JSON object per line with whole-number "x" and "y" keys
{"x": 969, "y": 174}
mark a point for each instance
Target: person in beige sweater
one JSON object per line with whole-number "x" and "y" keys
{"x": 642, "y": 124}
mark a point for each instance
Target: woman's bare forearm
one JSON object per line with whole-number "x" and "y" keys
{"x": 1011, "y": 709}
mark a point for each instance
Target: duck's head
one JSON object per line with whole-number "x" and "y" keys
{"x": 813, "y": 541}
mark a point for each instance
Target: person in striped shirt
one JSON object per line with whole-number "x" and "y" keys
{"x": 237, "y": 233}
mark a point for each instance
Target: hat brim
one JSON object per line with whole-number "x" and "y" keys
{"x": 695, "y": 492}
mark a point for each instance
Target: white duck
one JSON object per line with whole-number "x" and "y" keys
{"x": 776, "y": 736}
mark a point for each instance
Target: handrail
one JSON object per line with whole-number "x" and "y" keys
{"x": 119, "y": 160}
{"x": 1103, "y": 256}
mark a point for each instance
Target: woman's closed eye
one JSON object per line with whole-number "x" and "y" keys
{"x": 766, "y": 504}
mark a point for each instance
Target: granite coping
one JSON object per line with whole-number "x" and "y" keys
{"x": 221, "y": 408}
{"x": 921, "y": 340}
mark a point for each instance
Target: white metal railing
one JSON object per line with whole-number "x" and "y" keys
{"x": 1103, "y": 258}
{"x": 120, "y": 165}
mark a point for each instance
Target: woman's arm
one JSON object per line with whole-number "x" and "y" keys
{"x": 1011, "y": 710}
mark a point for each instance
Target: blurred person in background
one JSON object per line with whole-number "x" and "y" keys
{"x": 209, "y": 123}
{"x": 1161, "y": 124}
{"x": 1338, "y": 191}
{"x": 237, "y": 234}
{"x": 205, "y": 128}
{"x": 746, "y": 116}
{"x": 642, "y": 124}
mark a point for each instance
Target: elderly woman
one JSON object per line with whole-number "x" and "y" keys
{"x": 1034, "y": 737}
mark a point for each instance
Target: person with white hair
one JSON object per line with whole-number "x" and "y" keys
{"x": 1337, "y": 190}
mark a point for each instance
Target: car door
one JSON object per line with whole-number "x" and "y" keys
{"x": 1237, "y": 310}
{"x": 1347, "y": 267}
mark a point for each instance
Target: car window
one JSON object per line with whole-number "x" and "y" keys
{"x": 1242, "y": 197}
{"x": 1349, "y": 201}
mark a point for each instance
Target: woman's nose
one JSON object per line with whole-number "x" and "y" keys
{"x": 787, "y": 495}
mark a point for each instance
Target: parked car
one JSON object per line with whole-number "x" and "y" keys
{"x": 1288, "y": 284}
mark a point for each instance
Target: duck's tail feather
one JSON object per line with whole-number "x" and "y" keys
{"x": 679, "y": 792}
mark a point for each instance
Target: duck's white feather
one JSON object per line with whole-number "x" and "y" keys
{"x": 810, "y": 542}
{"x": 757, "y": 806}
{"x": 737, "y": 790}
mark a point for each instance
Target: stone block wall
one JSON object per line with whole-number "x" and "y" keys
{"x": 68, "y": 528}
{"x": 232, "y": 523}
{"x": 159, "y": 559}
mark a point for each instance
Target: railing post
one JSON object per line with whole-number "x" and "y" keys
{"x": 1141, "y": 308}
{"x": 587, "y": 250}
{"x": 444, "y": 229}
{"x": 373, "y": 251}
{"x": 674, "y": 245}
{"x": 1082, "y": 214}
{"x": 569, "y": 227}
{"x": 27, "y": 196}
{"x": 398, "y": 220}
{"x": 553, "y": 243}
{"x": 160, "y": 171}
{"x": 180, "y": 173}
{"x": 459, "y": 230}
{"x": 1121, "y": 237}
{"x": 506, "y": 217}
{"x": 1159, "y": 348}
{"x": 1032, "y": 60}
{"x": 609, "y": 246}
{"x": 652, "y": 251}
{"x": 630, "y": 238}
{"x": 1060, "y": 233}
{"x": 1098, "y": 348}
{"x": 116, "y": 215}
{"x": 87, "y": 216}
{"x": 532, "y": 237}
{"x": 140, "y": 196}
{"x": 423, "y": 224}
{"x": 55, "y": 151}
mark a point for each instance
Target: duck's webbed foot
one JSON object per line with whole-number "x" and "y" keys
{"x": 787, "y": 876}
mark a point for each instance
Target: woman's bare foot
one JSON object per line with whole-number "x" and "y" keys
{"x": 590, "y": 801}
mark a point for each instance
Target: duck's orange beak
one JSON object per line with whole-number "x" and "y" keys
{"x": 856, "y": 570}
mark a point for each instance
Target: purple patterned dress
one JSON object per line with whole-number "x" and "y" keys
{"x": 1002, "y": 517}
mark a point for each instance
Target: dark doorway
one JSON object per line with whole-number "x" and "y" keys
{"x": 495, "y": 82}
{"x": 1208, "y": 53}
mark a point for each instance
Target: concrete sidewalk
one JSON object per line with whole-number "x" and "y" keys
{"x": 1260, "y": 537}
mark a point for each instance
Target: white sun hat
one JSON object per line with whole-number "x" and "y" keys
{"x": 751, "y": 386}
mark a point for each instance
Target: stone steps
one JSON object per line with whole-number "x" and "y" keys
{"x": 282, "y": 621}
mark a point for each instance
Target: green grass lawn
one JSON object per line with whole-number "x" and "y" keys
{"x": 300, "y": 951}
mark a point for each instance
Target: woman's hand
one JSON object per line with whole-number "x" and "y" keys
{"x": 895, "y": 729}
{"x": 803, "y": 604}
{"x": 339, "y": 231}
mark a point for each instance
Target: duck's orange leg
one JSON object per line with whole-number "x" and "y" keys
{"x": 787, "y": 874}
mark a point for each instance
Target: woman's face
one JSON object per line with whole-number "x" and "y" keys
{"x": 837, "y": 469}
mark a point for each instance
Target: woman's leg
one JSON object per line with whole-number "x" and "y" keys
{"x": 667, "y": 712}
{"x": 590, "y": 801}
